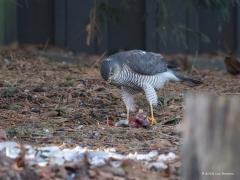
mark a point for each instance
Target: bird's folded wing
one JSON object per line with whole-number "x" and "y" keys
{"x": 141, "y": 62}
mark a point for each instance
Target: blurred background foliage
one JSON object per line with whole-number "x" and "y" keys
{"x": 167, "y": 27}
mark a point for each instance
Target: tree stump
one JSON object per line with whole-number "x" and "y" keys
{"x": 211, "y": 143}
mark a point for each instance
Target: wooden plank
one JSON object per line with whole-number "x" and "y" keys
{"x": 129, "y": 31}
{"x": 77, "y": 19}
{"x": 151, "y": 40}
{"x": 221, "y": 32}
{"x": 2, "y": 21}
{"x": 238, "y": 30}
{"x": 156, "y": 38}
{"x": 229, "y": 35}
{"x": 177, "y": 16}
{"x": 60, "y": 24}
{"x": 35, "y": 22}
{"x": 192, "y": 22}
{"x": 76, "y": 28}
{"x": 211, "y": 137}
{"x": 11, "y": 21}
{"x": 209, "y": 25}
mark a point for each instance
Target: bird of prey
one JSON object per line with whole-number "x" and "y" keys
{"x": 137, "y": 71}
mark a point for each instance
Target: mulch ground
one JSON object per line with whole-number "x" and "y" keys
{"x": 47, "y": 102}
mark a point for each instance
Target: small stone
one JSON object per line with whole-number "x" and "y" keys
{"x": 118, "y": 171}
{"x": 51, "y": 114}
{"x": 122, "y": 123}
{"x": 80, "y": 127}
{"x": 3, "y": 135}
{"x": 92, "y": 173}
{"x": 157, "y": 166}
{"x": 25, "y": 112}
{"x": 40, "y": 89}
{"x": 123, "y": 114}
{"x": 35, "y": 109}
{"x": 7, "y": 61}
{"x": 26, "y": 90}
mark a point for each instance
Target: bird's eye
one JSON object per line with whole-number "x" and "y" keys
{"x": 111, "y": 73}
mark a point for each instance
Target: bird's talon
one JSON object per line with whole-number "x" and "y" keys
{"x": 152, "y": 120}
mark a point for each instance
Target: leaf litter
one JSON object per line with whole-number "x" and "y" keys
{"x": 66, "y": 107}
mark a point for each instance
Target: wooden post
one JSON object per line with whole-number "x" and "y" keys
{"x": 211, "y": 143}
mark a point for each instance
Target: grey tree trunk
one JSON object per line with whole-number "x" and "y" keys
{"x": 211, "y": 143}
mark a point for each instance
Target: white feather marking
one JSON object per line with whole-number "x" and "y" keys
{"x": 150, "y": 94}
{"x": 128, "y": 99}
{"x": 162, "y": 78}
{"x": 138, "y": 51}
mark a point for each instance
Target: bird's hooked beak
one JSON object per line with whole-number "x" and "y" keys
{"x": 109, "y": 80}
{"x": 110, "y": 77}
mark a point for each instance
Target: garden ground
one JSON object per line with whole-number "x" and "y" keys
{"x": 48, "y": 102}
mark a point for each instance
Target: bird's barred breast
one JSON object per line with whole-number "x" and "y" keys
{"x": 137, "y": 81}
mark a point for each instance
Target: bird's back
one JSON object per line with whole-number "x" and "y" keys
{"x": 141, "y": 62}
{"x": 139, "y": 67}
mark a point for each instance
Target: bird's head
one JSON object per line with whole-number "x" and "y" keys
{"x": 110, "y": 70}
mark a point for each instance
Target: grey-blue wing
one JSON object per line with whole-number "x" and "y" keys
{"x": 146, "y": 63}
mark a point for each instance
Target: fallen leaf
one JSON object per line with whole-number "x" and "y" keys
{"x": 3, "y": 135}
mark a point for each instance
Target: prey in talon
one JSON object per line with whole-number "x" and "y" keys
{"x": 137, "y": 71}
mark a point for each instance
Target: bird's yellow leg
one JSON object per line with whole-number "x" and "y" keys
{"x": 152, "y": 118}
{"x": 128, "y": 114}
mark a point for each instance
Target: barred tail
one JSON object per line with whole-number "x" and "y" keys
{"x": 191, "y": 81}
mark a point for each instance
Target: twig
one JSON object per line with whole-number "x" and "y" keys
{"x": 193, "y": 62}
{"x": 98, "y": 60}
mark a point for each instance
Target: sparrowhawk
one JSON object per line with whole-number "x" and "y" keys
{"x": 137, "y": 71}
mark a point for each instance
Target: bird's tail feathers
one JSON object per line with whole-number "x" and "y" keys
{"x": 191, "y": 81}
